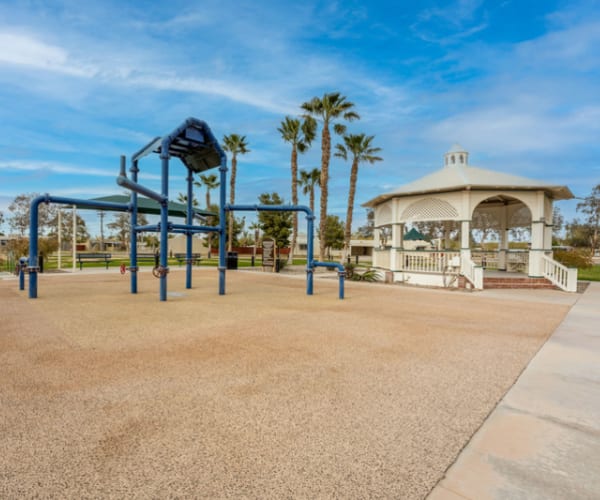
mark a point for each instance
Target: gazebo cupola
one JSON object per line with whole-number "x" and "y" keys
{"x": 456, "y": 156}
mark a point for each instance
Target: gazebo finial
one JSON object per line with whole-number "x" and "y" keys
{"x": 456, "y": 156}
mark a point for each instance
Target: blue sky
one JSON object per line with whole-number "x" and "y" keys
{"x": 514, "y": 82}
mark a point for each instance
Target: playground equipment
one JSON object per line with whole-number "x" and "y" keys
{"x": 196, "y": 147}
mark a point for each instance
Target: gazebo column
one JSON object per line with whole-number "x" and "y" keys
{"x": 538, "y": 226}
{"x": 548, "y": 229}
{"x": 503, "y": 248}
{"x": 376, "y": 236}
{"x": 465, "y": 249}
{"x": 397, "y": 249}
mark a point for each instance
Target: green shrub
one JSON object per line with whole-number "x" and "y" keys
{"x": 579, "y": 258}
{"x": 370, "y": 275}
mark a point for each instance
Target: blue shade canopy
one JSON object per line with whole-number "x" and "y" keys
{"x": 192, "y": 142}
{"x": 148, "y": 206}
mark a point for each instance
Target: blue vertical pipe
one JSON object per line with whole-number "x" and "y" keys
{"x": 309, "y": 254}
{"x": 222, "y": 225}
{"x": 164, "y": 222}
{"x": 133, "y": 237}
{"x": 189, "y": 234}
{"x": 22, "y": 264}
{"x": 33, "y": 245}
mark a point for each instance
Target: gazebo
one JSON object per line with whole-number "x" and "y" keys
{"x": 462, "y": 198}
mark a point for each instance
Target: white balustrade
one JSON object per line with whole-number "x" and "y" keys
{"x": 473, "y": 272}
{"x": 426, "y": 262}
{"x": 561, "y": 276}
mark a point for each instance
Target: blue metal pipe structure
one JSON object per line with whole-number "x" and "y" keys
{"x": 22, "y": 265}
{"x": 163, "y": 267}
{"x": 310, "y": 262}
{"x": 194, "y": 229}
{"x": 341, "y": 273}
{"x": 133, "y": 267}
{"x": 189, "y": 234}
{"x": 122, "y": 180}
{"x": 195, "y": 145}
{"x": 222, "y": 224}
{"x": 34, "y": 225}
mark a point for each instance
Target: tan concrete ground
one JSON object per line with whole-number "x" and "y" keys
{"x": 261, "y": 393}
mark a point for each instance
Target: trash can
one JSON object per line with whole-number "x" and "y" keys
{"x": 232, "y": 260}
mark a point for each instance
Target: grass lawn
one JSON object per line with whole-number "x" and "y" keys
{"x": 591, "y": 274}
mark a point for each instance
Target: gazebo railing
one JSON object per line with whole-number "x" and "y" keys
{"x": 423, "y": 261}
{"x": 488, "y": 259}
{"x": 517, "y": 261}
{"x": 473, "y": 272}
{"x": 561, "y": 276}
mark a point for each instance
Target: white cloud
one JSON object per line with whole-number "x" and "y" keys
{"x": 63, "y": 169}
{"x": 24, "y": 50}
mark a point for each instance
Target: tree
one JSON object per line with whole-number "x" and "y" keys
{"x": 276, "y": 225}
{"x": 209, "y": 181}
{"x": 255, "y": 226}
{"x": 122, "y": 226}
{"x": 21, "y": 208}
{"x": 558, "y": 224}
{"x": 590, "y": 207}
{"x": 483, "y": 225}
{"x": 360, "y": 147}
{"x": 300, "y": 135}
{"x": 236, "y": 145}
{"x": 66, "y": 223}
{"x": 1, "y": 221}
{"x": 446, "y": 230}
{"x": 368, "y": 230}
{"x": 327, "y": 109}
{"x": 182, "y": 198}
{"x": 577, "y": 234}
{"x": 333, "y": 234}
{"x": 308, "y": 181}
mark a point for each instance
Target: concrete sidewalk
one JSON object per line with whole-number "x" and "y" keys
{"x": 542, "y": 441}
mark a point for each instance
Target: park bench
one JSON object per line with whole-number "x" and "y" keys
{"x": 182, "y": 257}
{"x": 150, "y": 258}
{"x": 93, "y": 257}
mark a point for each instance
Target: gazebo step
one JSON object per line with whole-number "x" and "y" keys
{"x": 535, "y": 283}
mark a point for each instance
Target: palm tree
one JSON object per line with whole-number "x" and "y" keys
{"x": 234, "y": 144}
{"x": 327, "y": 109}
{"x": 361, "y": 149}
{"x": 308, "y": 181}
{"x": 182, "y": 198}
{"x": 300, "y": 135}
{"x": 209, "y": 182}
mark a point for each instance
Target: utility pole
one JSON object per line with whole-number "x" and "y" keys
{"x": 59, "y": 239}
{"x": 101, "y": 215}
{"x": 74, "y": 238}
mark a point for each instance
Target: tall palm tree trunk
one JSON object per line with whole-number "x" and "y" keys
{"x": 231, "y": 201}
{"x": 294, "y": 163}
{"x": 351, "y": 194}
{"x": 326, "y": 154}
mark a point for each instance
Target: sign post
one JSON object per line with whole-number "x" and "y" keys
{"x": 268, "y": 253}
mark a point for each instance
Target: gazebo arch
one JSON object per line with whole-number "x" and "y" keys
{"x": 502, "y": 214}
{"x": 429, "y": 209}
{"x": 456, "y": 195}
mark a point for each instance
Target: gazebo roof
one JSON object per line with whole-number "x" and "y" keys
{"x": 460, "y": 177}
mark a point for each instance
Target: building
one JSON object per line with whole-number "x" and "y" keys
{"x": 469, "y": 197}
